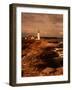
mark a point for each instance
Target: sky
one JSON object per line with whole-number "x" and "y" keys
{"x": 49, "y": 25}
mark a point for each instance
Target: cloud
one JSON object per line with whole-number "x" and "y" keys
{"x": 47, "y": 24}
{"x": 61, "y": 33}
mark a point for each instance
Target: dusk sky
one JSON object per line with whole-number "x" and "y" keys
{"x": 49, "y": 25}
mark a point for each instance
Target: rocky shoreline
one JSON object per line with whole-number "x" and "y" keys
{"x": 41, "y": 58}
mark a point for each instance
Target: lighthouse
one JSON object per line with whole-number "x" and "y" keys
{"x": 38, "y": 35}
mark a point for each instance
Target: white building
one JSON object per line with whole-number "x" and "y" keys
{"x": 38, "y": 35}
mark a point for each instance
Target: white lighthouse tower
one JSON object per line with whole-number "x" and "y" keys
{"x": 38, "y": 35}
